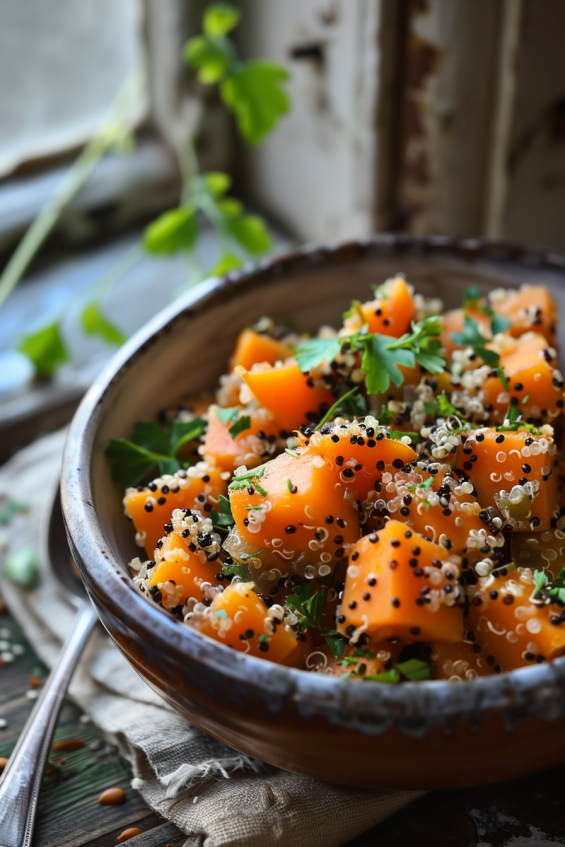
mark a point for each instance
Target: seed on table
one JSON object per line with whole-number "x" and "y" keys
{"x": 32, "y": 694}
{"x": 3, "y": 763}
{"x": 3, "y": 723}
{"x": 129, "y": 833}
{"x": 35, "y": 682}
{"x": 112, "y": 797}
{"x": 69, "y": 745}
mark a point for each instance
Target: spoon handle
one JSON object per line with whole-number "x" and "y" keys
{"x": 21, "y": 781}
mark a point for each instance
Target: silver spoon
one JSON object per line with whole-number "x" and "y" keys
{"x": 20, "y": 782}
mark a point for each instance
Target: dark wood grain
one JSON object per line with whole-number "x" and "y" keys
{"x": 70, "y": 815}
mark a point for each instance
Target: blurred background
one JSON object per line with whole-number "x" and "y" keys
{"x": 418, "y": 116}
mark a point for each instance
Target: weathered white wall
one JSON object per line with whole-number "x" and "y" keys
{"x": 316, "y": 174}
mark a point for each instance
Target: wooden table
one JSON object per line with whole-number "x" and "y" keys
{"x": 70, "y": 814}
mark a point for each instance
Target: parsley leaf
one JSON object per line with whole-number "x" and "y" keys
{"x": 220, "y": 18}
{"x": 11, "y": 508}
{"x": 380, "y": 365}
{"x": 397, "y": 434}
{"x": 415, "y": 669}
{"x": 471, "y": 337}
{"x": 445, "y": 407}
{"x": 242, "y": 424}
{"x": 502, "y": 378}
{"x": 330, "y": 414}
{"x": 173, "y": 230}
{"x": 130, "y": 461}
{"x": 223, "y": 518}
{"x": 227, "y": 416}
{"x": 45, "y": 349}
{"x": 470, "y": 296}
{"x": 183, "y": 432}
{"x": 499, "y": 324}
{"x": 255, "y": 95}
{"x": 313, "y": 352}
{"x": 424, "y": 342}
{"x": 94, "y": 322}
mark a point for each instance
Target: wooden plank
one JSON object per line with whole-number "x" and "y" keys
{"x": 69, "y": 813}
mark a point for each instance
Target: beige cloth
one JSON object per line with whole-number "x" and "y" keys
{"x": 212, "y": 792}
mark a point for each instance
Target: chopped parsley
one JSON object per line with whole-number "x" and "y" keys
{"x": 308, "y": 606}
{"x": 472, "y": 337}
{"x": 502, "y": 378}
{"x": 331, "y": 413}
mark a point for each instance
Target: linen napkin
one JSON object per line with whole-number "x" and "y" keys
{"x": 213, "y": 793}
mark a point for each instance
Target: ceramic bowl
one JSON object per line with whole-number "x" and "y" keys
{"x": 414, "y": 735}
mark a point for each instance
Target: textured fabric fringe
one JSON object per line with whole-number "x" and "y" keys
{"x": 185, "y": 775}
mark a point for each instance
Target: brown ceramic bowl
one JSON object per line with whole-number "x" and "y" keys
{"x": 415, "y": 735}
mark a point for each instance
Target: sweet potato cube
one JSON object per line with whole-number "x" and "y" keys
{"x": 150, "y": 507}
{"x": 513, "y": 471}
{"x": 290, "y": 395}
{"x": 180, "y": 572}
{"x": 399, "y": 584}
{"x": 252, "y": 348}
{"x": 510, "y": 629}
{"x": 241, "y": 620}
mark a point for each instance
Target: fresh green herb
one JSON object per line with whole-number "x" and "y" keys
{"x": 363, "y": 653}
{"x": 427, "y": 483}
{"x": 415, "y": 669}
{"x": 131, "y": 462}
{"x": 227, "y": 416}
{"x": 431, "y": 409}
{"x": 10, "y": 509}
{"x": 246, "y": 557}
{"x": 289, "y": 485}
{"x": 548, "y": 591}
{"x": 446, "y": 409}
{"x": 380, "y": 292}
{"x": 424, "y": 343}
{"x": 240, "y": 572}
{"x": 241, "y": 425}
{"x": 263, "y": 639}
{"x": 45, "y": 349}
{"x": 254, "y": 508}
{"x": 22, "y": 567}
{"x": 349, "y": 662}
{"x": 95, "y": 322}
{"x": 499, "y": 324}
{"x": 502, "y": 378}
{"x": 172, "y": 231}
{"x": 391, "y": 676}
{"x": 310, "y": 606}
{"x": 223, "y": 518}
{"x": 151, "y": 446}
{"x": 221, "y": 613}
{"x": 330, "y": 414}
{"x": 386, "y": 416}
{"x": 471, "y": 337}
{"x": 313, "y": 352}
{"x": 248, "y": 478}
{"x": 380, "y": 364}
{"x": 525, "y": 399}
{"x": 471, "y": 295}
{"x": 354, "y": 309}
{"x": 397, "y": 434}
{"x": 184, "y": 432}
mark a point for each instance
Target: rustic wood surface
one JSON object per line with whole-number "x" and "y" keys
{"x": 527, "y": 811}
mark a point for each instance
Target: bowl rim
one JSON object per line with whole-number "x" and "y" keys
{"x": 536, "y": 689}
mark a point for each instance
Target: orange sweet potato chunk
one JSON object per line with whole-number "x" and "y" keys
{"x": 290, "y": 395}
{"x": 530, "y": 371}
{"x": 248, "y": 448}
{"x": 253, "y": 348}
{"x": 399, "y": 584}
{"x": 297, "y": 515}
{"x": 239, "y": 619}
{"x": 530, "y": 308}
{"x": 500, "y": 463}
{"x": 511, "y": 630}
{"x": 357, "y": 662}
{"x": 458, "y": 661}
{"x": 178, "y": 564}
{"x": 444, "y": 509}
{"x": 150, "y": 507}
{"x": 356, "y": 455}
{"x": 390, "y": 315}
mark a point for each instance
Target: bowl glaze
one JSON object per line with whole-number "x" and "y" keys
{"x": 415, "y": 735}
